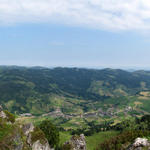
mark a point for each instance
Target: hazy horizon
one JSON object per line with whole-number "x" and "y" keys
{"x": 83, "y": 67}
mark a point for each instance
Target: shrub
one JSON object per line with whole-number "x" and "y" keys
{"x": 116, "y": 142}
{"x": 38, "y": 134}
{"x": 51, "y": 132}
{"x": 67, "y": 147}
{"x": 10, "y": 116}
{"x": 145, "y": 118}
{"x": 5, "y": 128}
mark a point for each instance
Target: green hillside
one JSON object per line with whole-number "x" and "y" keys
{"x": 41, "y": 90}
{"x": 101, "y": 104}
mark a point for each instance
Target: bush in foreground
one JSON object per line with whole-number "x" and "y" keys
{"x": 10, "y": 116}
{"x": 51, "y": 132}
{"x": 117, "y": 142}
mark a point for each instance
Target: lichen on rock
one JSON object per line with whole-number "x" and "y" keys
{"x": 27, "y": 128}
{"x": 16, "y": 136}
{"x": 18, "y": 143}
{"x": 2, "y": 114}
{"x": 76, "y": 143}
{"x": 139, "y": 143}
{"x": 38, "y": 146}
{"x": 1, "y": 108}
{"x": 35, "y": 137}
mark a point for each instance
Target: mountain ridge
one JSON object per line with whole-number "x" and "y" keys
{"x": 24, "y": 87}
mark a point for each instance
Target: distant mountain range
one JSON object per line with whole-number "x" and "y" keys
{"x": 39, "y": 90}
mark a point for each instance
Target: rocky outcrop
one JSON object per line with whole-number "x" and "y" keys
{"x": 76, "y": 142}
{"x": 2, "y": 114}
{"x": 36, "y": 143}
{"x": 139, "y": 144}
{"x": 27, "y": 128}
{"x": 38, "y": 146}
{"x": 21, "y": 137}
{"x": 18, "y": 143}
{"x": 1, "y": 108}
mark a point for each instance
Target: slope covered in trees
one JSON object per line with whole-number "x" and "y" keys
{"x": 24, "y": 89}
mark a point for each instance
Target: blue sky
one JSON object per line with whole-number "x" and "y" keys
{"x": 100, "y": 35}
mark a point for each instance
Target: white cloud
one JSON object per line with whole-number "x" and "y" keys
{"x": 101, "y": 14}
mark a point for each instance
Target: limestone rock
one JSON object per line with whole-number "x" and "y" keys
{"x": 38, "y": 146}
{"x": 139, "y": 143}
{"x": 1, "y": 108}
{"x": 18, "y": 144}
{"x": 27, "y": 128}
{"x": 29, "y": 141}
{"x": 77, "y": 142}
{"x": 23, "y": 137}
{"x": 2, "y": 114}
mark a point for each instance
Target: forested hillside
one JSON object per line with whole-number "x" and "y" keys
{"x": 40, "y": 90}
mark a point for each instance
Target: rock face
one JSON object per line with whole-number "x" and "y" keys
{"x": 38, "y": 146}
{"x": 27, "y": 128}
{"x": 2, "y": 114}
{"x": 139, "y": 143}
{"x": 1, "y": 108}
{"x": 18, "y": 144}
{"x": 77, "y": 142}
{"x": 21, "y": 137}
